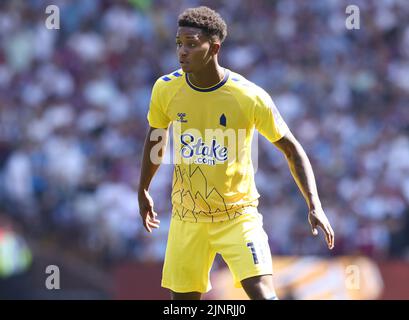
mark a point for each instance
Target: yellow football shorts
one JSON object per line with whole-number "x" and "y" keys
{"x": 192, "y": 247}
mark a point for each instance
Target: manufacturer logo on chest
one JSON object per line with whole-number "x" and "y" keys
{"x": 181, "y": 117}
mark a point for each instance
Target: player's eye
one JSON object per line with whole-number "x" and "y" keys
{"x": 189, "y": 45}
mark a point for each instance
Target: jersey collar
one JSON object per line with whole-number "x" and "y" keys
{"x": 215, "y": 87}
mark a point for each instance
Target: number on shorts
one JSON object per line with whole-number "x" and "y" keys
{"x": 253, "y": 252}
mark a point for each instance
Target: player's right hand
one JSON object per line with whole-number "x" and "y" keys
{"x": 146, "y": 211}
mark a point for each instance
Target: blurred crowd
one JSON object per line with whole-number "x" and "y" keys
{"x": 73, "y": 105}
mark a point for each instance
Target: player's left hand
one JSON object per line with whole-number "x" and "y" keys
{"x": 317, "y": 218}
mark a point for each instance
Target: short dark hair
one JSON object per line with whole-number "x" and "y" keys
{"x": 211, "y": 23}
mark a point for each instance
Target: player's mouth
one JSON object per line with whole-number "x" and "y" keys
{"x": 183, "y": 62}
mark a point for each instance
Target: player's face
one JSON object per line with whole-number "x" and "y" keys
{"x": 193, "y": 49}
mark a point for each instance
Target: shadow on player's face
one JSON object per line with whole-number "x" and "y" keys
{"x": 193, "y": 49}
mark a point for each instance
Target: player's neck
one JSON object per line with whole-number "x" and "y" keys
{"x": 208, "y": 77}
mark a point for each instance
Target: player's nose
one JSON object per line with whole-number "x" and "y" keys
{"x": 182, "y": 52}
{"x": 182, "y": 56}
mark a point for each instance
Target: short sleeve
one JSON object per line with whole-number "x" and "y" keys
{"x": 157, "y": 116}
{"x": 268, "y": 120}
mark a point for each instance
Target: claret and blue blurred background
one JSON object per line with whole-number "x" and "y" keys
{"x": 73, "y": 104}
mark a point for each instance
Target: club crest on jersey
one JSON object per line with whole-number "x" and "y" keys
{"x": 181, "y": 117}
{"x": 223, "y": 120}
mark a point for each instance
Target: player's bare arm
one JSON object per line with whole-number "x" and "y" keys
{"x": 303, "y": 174}
{"x": 148, "y": 170}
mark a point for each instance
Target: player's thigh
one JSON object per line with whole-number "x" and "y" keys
{"x": 243, "y": 244}
{"x": 188, "y": 258}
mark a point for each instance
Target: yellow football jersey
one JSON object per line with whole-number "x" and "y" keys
{"x": 213, "y": 127}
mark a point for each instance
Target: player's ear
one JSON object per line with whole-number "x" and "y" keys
{"x": 215, "y": 47}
